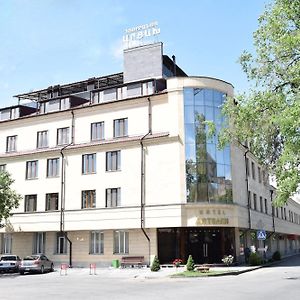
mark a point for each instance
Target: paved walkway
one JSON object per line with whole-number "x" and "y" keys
{"x": 142, "y": 272}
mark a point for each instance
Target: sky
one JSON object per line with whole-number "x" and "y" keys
{"x": 49, "y": 42}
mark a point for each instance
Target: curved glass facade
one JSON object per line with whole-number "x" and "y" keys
{"x": 208, "y": 170}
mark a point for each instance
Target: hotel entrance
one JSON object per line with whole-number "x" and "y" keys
{"x": 206, "y": 245}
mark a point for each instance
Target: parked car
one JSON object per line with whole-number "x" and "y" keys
{"x": 36, "y": 263}
{"x": 9, "y": 263}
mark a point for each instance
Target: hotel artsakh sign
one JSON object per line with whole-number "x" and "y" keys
{"x": 212, "y": 217}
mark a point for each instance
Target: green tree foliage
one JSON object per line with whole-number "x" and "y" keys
{"x": 268, "y": 116}
{"x": 155, "y": 265}
{"x": 9, "y": 199}
{"x": 190, "y": 265}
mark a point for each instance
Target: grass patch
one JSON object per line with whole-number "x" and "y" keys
{"x": 199, "y": 274}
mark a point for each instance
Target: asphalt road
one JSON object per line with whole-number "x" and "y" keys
{"x": 278, "y": 282}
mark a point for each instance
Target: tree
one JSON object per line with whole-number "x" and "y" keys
{"x": 9, "y": 199}
{"x": 268, "y": 116}
{"x": 190, "y": 265}
{"x": 155, "y": 265}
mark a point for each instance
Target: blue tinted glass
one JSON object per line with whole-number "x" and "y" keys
{"x": 199, "y": 110}
{"x": 209, "y": 113}
{"x": 220, "y": 156}
{"x": 200, "y": 152}
{"x": 208, "y": 97}
{"x": 211, "y": 152}
{"x": 189, "y": 133}
{"x": 189, "y": 96}
{"x": 227, "y": 172}
{"x": 190, "y": 152}
{"x": 189, "y": 115}
{"x": 218, "y": 99}
{"x": 227, "y": 159}
{"x": 220, "y": 171}
{"x": 199, "y": 96}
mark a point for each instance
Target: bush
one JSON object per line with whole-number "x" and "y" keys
{"x": 254, "y": 259}
{"x": 276, "y": 255}
{"x": 190, "y": 265}
{"x": 155, "y": 265}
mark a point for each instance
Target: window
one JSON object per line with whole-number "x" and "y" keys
{"x": 121, "y": 242}
{"x": 97, "y": 242}
{"x": 52, "y": 167}
{"x": 247, "y": 166}
{"x": 6, "y": 243}
{"x": 113, "y": 160}
{"x": 11, "y": 143}
{"x": 42, "y": 139}
{"x": 32, "y": 169}
{"x": 89, "y": 163}
{"x": 39, "y": 242}
{"x": 2, "y": 168}
{"x": 266, "y": 206}
{"x": 284, "y": 213}
{"x": 52, "y": 201}
{"x": 254, "y": 202}
{"x": 88, "y": 199}
{"x": 113, "y": 197}
{"x": 61, "y": 243}
{"x": 259, "y": 174}
{"x": 261, "y": 204}
{"x": 253, "y": 170}
{"x": 120, "y": 127}
{"x": 63, "y": 136}
{"x": 30, "y": 203}
{"x": 97, "y": 131}
{"x": 277, "y": 212}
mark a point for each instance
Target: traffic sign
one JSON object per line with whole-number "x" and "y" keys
{"x": 261, "y": 235}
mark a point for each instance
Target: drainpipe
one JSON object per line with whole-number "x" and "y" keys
{"x": 273, "y": 210}
{"x": 63, "y": 191}
{"x": 143, "y": 179}
{"x": 247, "y": 188}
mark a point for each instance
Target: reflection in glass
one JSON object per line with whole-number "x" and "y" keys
{"x": 208, "y": 170}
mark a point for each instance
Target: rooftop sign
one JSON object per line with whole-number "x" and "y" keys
{"x": 140, "y": 35}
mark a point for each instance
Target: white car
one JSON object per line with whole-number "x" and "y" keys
{"x": 9, "y": 263}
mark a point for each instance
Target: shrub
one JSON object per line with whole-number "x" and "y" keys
{"x": 276, "y": 255}
{"x": 228, "y": 260}
{"x": 254, "y": 259}
{"x": 155, "y": 265}
{"x": 190, "y": 265}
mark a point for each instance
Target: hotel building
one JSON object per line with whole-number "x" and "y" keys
{"x": 122, "y": 165}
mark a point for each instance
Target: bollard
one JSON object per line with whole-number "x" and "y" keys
{"x": 63, "y": 267}
{"x": 93, "y": 269}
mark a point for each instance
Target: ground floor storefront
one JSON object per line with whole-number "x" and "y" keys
{"x": 205, "y": 244}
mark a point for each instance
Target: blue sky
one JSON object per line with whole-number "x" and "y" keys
{"x": 48, "y": 42}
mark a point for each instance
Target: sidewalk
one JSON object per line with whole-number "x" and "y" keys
{"x": 146, "y": 273}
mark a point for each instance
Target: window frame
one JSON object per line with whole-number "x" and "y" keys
{"x": 89, "y": 195}
{"x": 116, "y": 201}
{"x": 11, "y": 143}
{"x": 89, "y": 164}
{"x": 58, "y": 249}
{"x": 32, "y": 169}
{"x": 42, "y": 136}
{"x": 48, "y": 199}
{"x": 113, "y": 161}
{"x": 96, "y": 244}
{"x": 97, "y": 131}
{"x": 121, "y": 242}
{"x": 53, "y": 167}
{"x": 28, "y": 205}
{"x": 63, "y": 138}
{"x": 39, "y": 243}
{"x": 120, "y": 128}
{"x": 6, "y": 243}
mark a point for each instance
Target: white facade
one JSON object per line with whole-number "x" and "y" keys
{"x": 164, "y": 200}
